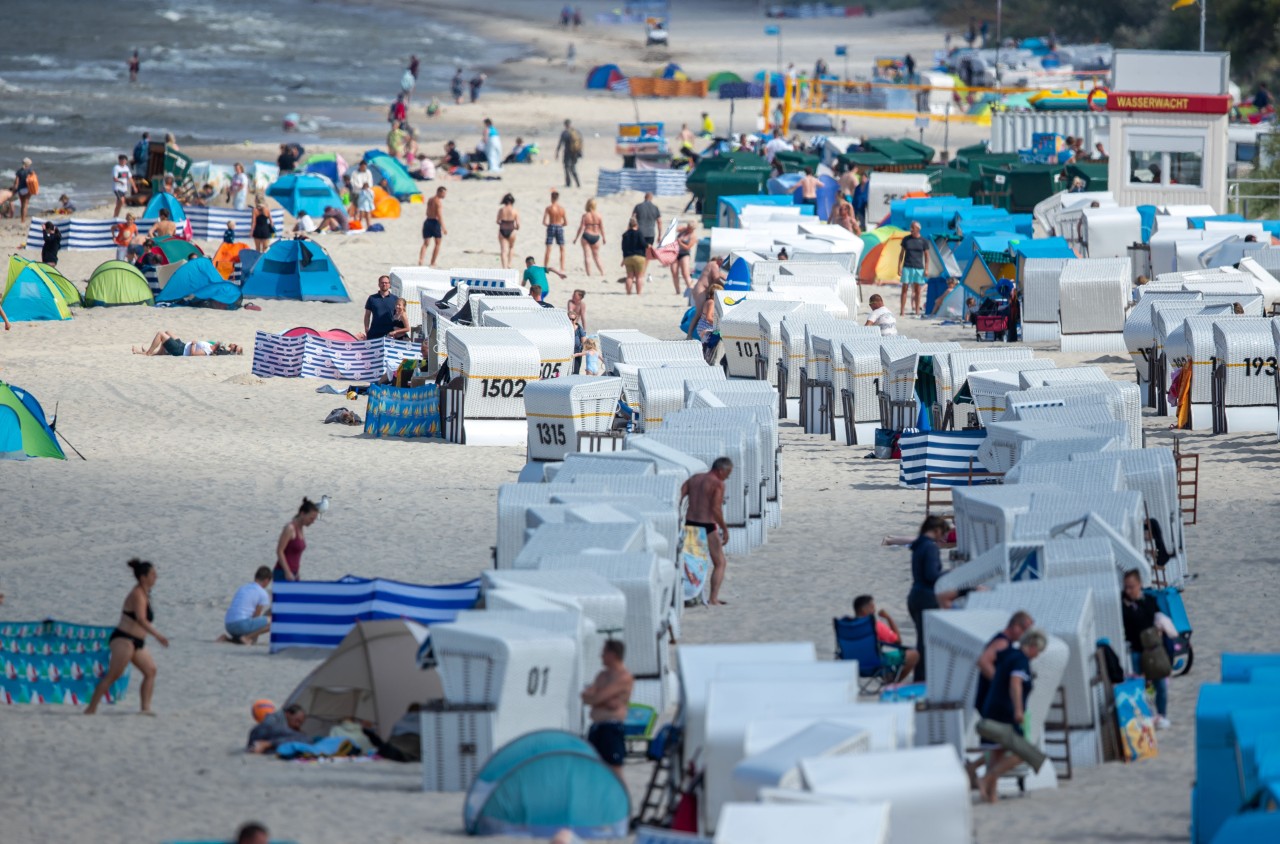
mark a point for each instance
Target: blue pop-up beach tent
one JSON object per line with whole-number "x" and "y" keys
{"x": 23, "y": 430}
{"x": 295, "y": 269}
{"x": 386, "y": 169}
{"x": 167, "y": 202}
{"x": 310, "y": 192}
{"x": 197, "y": 282}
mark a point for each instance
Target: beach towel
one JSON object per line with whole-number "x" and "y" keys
{"x": 695, "y": 563}
{"x": 325, "y": 748}
{"x": 667, "y": 249}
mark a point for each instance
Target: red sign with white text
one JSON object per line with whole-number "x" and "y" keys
{"x": 1169, "y": 103}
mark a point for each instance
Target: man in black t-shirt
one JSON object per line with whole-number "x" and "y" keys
{"x": 379, "y": 310}
{"x": 911, "y": 268}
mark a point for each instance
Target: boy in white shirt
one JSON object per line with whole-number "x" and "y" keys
{"x": 881, "y": 317}
{"x": 247, "y": 617}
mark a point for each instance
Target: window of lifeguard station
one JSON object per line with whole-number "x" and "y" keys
{"x": 1166, "y": 159}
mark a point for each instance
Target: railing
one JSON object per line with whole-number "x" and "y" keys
{"x": 1238, "y": 200}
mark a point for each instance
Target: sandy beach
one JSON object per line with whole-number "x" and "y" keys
{"x": 195, "y": 464}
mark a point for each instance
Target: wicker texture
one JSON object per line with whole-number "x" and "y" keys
{"x": 1122, "y": 510}
{"x": 710, "y": 446}
{"x": 1067, "y": 613}
{"x": 1040, "y": 289}
{"x": 611, "y": 340}
{"x": 1166, "y": 320}
{"x": 1093, "y": 293}
{"x": 602, "y": 602}
{"x": 822, "y": 344}
{"x": 1094, "y": 418}
{"x": 761, "y": 448}
{"x": 984, "y": 515}
{"x": 740, "y": 334}
{"x": 482, "y": 305}
{"x": 1243, "y": 345}
{"x": 563, "y": 538}
{"x": 1139, "y": 324}
{"x": 845, "y": 285}
{"x": 1198, "y": 334}
{"x": 770, "y": 327}
{"x": 989, "y": 388}
{"x": 661, "y": 353}
{"x": 733, "y": 395}
{"x": 987, "y": 569}
{"x": 666, "y": 519}
{"x": 1124, "y": 399}
{"x": 497, "y": 365}
{"x": 953, "y": 642}
{"x": 1031, "y": 378}
{"x": 846, "y": 282}
{"x": 1083, "y": 477}
{"x": 860, "y": 375}
{"x": 951, "y": 372}
{"x": 1006, "y": 441}
{"x": 1154, "y": 473}
{"x": 646, "y": 582}
{"x": 548, "y": 329}
{"x": 1251, "y": 302}
{"x": 662, "y": 389}
{"x": 1043, "y": 526}
{"x": 822, "y": 296}
{"x": 558, "y": 409}
{"x": 899, "y": 374}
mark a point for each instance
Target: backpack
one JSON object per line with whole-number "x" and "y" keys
{"x": 575, "y": 143}
{"x": 33, "y": 184}
{"x": 1111, "y": 664}
{"x": 1155, "y": 662}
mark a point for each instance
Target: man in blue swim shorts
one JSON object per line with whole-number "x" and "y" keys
{"x": 911, "y": 268}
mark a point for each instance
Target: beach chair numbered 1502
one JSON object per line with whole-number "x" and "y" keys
{"x": 856, "y": 639}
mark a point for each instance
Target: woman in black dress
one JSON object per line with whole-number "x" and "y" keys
{"x": 263, "y": 228}
{"x": 926, "y": 568}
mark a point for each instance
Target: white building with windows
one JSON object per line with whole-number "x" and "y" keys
{"x": 1169, "y": 114}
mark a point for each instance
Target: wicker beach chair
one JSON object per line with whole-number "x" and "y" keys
{"x": 1093, "y": 294}
{"x": 662, "y": 389}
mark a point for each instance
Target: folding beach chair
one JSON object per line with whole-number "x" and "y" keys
{"x": 856, "y": 639}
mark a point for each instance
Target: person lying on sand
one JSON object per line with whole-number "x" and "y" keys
{"x": 168, "y": 343}
{"x": 277, "y": 728}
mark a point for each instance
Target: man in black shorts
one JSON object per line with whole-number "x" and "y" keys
{"x": 433, "y": 227}
{"x": 609, "y": 697}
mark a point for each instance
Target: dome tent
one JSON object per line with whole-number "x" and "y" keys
{"x": 23, "y": 430}
{"x": 117, "y": 283}
{"x": 166, "y": 202}
{"x": 386, "y": 169}
{"x": 328, "y": 164}
{"x": 198, "y": 283}
{"x": 295, "y": 269}
{"x": 603, "y": 77}
{"x": 298, "y": 192}
{"x": 174, "y": 249}
{"x": 543, "y": 782}
{"x": 31, "y": 292}
{"x": 715, "y": 80}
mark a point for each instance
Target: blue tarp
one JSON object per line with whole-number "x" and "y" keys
{"x": 295, "y": 269}
{"x": 310, "y": 192}
{"x": 197, "y": 282}
{"x": 934, "y": 214}
{"x": 1045, "y": 247}
{"x": 731, "y": 206}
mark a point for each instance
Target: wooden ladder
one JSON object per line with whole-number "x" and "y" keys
{"x": 1188, "y": 483}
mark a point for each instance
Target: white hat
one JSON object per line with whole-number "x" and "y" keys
{"x": 26, "y": 162}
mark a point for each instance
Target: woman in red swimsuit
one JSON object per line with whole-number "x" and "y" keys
{"x": 292, "y": 542}
{"x": 129, "y": 639}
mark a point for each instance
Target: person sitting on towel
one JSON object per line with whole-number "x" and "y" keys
{"x": 892, "y": 651}
{"x": 277, "y": 728}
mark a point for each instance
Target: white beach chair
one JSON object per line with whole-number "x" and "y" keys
{"x": 662, "y": 389}
{"x": 491, "y": 367}
{"x": 739, "y": 328}
{"x": 612, "y": 338}
{"x": 984, "y": 515}
{"x": 1093, "y": 294}
{"x": 560, "y": 409}
{"x": 552, "y": 539}
{"x": 547, "y": 328}
{"x": 1245, "y": 399}
{"x": 1040, "y": 299}
{"x": 846, "y": 823}
{"x": 1139, "y": 328}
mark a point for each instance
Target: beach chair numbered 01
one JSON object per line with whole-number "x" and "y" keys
{"x": 856, "y": 639}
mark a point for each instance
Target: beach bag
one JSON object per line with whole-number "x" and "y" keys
{"x": 1011, "y": 740}
{"x": 1111, "y": 663}
{"x": 33, "y": 184}
{"x": 886, "y": 447}
{"x": 1154, "y": 662}
{"x": 575, "y": 143}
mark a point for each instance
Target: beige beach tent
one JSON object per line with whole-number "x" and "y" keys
{"x": 372, "y": 676}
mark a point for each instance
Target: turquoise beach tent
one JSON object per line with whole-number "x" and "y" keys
{"x": 32, "y": 294}
{"x": 23, "y": 430}
{"x": 398, "y": 181}
{"x": 167, "y": 202}
{"x": 198, "y": 283}
{"x": 543, "y": 782}
{"x": 310, "y": 192}
{"x": 295, "y": 269}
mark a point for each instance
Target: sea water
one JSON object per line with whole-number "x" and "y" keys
{"x": 221, "y": 72}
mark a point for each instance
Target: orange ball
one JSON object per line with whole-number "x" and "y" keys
{"x": 261, "y": 709}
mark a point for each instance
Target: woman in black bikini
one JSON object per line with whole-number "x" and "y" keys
{"x": 591, "y": 230}
{"x": 129, "y": 640}
{"x": 684, "y": 239}
{"x": 508, "y": 225}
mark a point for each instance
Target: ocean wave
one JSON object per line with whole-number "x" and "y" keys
{"x": 170, "y": 15}
{"x": 29, "y": 119}
{"x": 37, "y": 59}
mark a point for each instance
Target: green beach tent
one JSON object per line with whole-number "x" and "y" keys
{"x": 23, "y": 430}
{"x": 117, "y": 283}
{"x": 715, "y": 80}
{"x": 31, "y": 294}
{"x": 175, "y": 249}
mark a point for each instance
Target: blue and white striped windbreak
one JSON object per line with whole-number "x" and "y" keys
{"x": 938, "y": 452}
{"x": 318, "y": 614}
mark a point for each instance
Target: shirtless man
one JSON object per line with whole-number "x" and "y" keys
{"x": 164, "y": 227}
{"x": 609, "y": 697}
{"x": 433, "y": 227}
{"x": 809, "y": 185}
{"x": 706, "y": 510}
{"x": 554, "y": 218}
{"x": 848, "y": 184}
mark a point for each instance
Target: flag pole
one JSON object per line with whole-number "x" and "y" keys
{"x": 1202, "y": 18}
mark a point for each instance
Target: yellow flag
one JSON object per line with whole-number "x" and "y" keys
{"x": 1178, "y": 4}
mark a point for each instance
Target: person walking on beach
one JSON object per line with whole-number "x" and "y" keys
{"x": 122, "y": 184}
{"x": 554, "y": 218}
{"x": 609, "y": 697}
{"x": 684, "y": 254}
{"x": 362, "y": 193}
{"x": 238, "y": 189}
{"x": 379, "y": 310}
{"x": 23, "y": 182}
{"x": 508, "y": 225}
{"x": 433, "y": 227}
{"x": 292, "y": 542}
{"x": 135, "y": 65}
{"x": 911, "y": 268}
{"x": 407, "y": 81}
{"x": 633, "y": 256}
{"x": 569, "y": 149}
{"x": 248, "y": 616}
{"x": 122, "y": 235}
{"x": 141, "y": 151}
{"x": 705, "y": 492}
{"x": 129, "y": 639}
{"x": 476, "y": 83}
{"x": 926, "y": 568}
{"x": 591, "y": 230}
{"x": 649, "y": 218}
{"x": 455, "y": 87}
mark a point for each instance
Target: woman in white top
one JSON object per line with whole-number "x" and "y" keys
{"x": 238, "y": 190}
{"x": 881, "y": 317}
